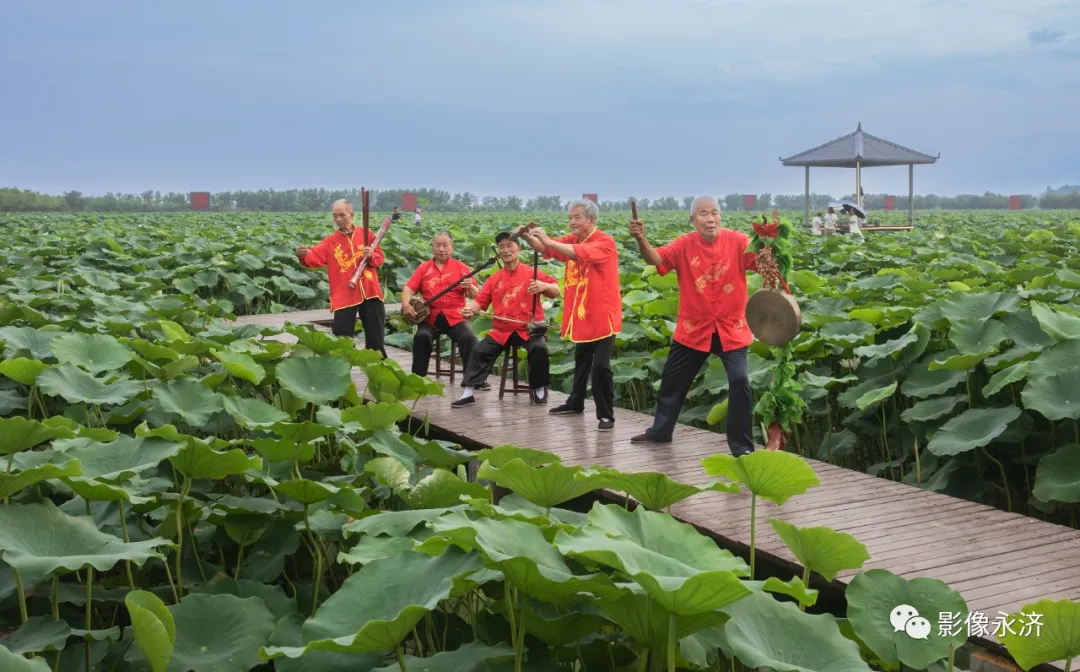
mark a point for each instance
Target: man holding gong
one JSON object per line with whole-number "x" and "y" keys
{"x": 444, "y": 313}
{"x": 711, "y": 264}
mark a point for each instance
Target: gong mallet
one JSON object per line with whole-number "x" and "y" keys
{"x": 633, "y": 210}
{"x": 365, "y": 210}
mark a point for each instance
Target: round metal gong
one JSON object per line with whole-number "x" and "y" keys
{"x": 773, "y": 317}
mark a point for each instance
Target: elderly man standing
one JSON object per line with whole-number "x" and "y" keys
{"x": 340, "y": 252}
{"x": 592, "y": 307}
{"x": 430, "y": 278}
{"x": 711, "y": 264}
{"x": 510, "y": 292}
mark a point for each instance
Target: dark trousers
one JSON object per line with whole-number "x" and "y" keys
{"x": 682, "y": 366}
{"x": 424, "y": 342}
{"x": 593, "y": 360}
{"x": 372, "y": 315}
{"x": 487, "y": 351}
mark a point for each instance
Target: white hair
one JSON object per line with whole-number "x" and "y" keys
{"x": 694, "y": 204}
{"x": 591, "y": 211}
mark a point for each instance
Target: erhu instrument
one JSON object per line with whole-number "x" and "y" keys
{"x": 536, "y": 328}
{"x": 365, "y": 209}
{"x": 422, "y": 307}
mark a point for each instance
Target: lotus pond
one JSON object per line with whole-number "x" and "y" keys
{"x": 181, "y": 493}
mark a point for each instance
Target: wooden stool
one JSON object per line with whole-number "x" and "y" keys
{"x": 439, "y": 371}
{"x": 511, "y": 351}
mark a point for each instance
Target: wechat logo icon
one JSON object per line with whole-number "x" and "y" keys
{"x": 905, "y": 618}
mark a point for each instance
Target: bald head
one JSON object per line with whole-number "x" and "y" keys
{"x": 705, "y": 216}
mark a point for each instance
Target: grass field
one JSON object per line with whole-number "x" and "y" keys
{"x": 179, "y": 457}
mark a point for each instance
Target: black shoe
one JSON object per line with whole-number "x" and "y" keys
{"x": 461, "y": 403}
{"x": 565, "y": 409}
{"x": 485, "y": 386}
{"x": 648, "y": 438}
{"x": 606, "y": 425}
{"x": 538, "y": 402}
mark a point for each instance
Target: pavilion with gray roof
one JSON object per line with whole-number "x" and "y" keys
{"x": 860, "y": 150}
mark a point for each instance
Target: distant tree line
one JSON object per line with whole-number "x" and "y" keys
{"x": 438, "y": 200}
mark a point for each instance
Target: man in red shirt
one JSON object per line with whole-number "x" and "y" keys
{"x": 592, "y": 306}
{"x": 340, "y": 252}
{"x": 430, "y": 278}
{"x": 509, "y": 291}
{"x": 711, "y": 265}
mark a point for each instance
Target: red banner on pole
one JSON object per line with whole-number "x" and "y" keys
{"x": 749, "y": 201}
{"x": 408, "y": 202}
{"x": 200, "y": 200}
{"x": 591, "y": 197}
{"x": 890, "y": 203}
{"x": 1014, "y": 202}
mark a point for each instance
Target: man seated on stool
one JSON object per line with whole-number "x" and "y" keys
{"x": 510, "y": 292}
{"x": 430, "y": 278}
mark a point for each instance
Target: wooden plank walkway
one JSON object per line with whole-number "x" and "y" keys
{"x": 998, "y": 561}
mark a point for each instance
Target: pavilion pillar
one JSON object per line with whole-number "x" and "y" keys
{"x": 910, "y": 194}
{"x": 858, "y": 182}
{"x": 806, "y": 198}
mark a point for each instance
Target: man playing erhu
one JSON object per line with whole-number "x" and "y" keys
{"x": 430, "y": 278}
{"x": 340, "y": 252}
{"x": 592, "y": 306}
{"x": 711, "y": 264}
{"x": 510, "y": 292}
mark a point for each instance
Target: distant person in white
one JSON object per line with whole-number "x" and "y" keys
{"x": 830, "y": 222}
{"x": 815, "y": 225}
{"x": 853, "y": 225}
{"x": 417, "y": 221}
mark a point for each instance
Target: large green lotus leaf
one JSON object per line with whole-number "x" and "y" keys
{"x": 375, "y": 415}
{"x": 521, "y": 551}
{"x": 18, "y": 434}
{"x": 396, "y": 523}
{"x": 522, "y": 509}
{"x": 653, "y": 489}
{"x": 389, "y": 472}
{"x": 972, "y": 337}
{"x": 307, "y": 492}
{"x": 13, "y": 482}
{"x": 895, "y": 348}
{"x": 153, "y": 626}
{"x": 369, "y": 549}
{"x": 923, "y": 382}
{"x": 498, "y": 456}
{"x": 821, "y": 549}
{"x": 301, "y": 432}
{"x": 378, "y": 606}
{"x": 38, "y": 539}
{"x": 287, "y": 635}
{"x": 847, "y": 333}
{"x": 968, "y": 306}
{"x": 1056, "y": 396}
{"x": 34, "y": 341}
{"x": 647, "y": 623}
{"x": 253, "y": 412}
{"x": 1059, "y": 325}
{"x": 152, "y": 351}
{"x": 766, "y": 634}
{"x": 660, "y": 533}
{"x": 974, "y": 428}
{"x": 875, "y": 396}
{"x": 1057, "y": 478}
{"x": 39, "y": 634}
{"x": 388, "y": 442}
{"x": 933, "y": 408}
{"x": 442, "y": 488}
{"x": 675, "y": 585}
{"x": 219, "y": 633}
{"x": 13, "y": 662}
{"x": 318, "y": 380}
{"x": 439, "y": 454}
{"x": 1006, "y": 377}
{"x": 775, "y": 475}
{"x": 471, "y": 657}
{"x": 794, "y": 587}
{"x": 76, "y": 386}
{"x": 240, "y": 365}
{"x": 810, "y": 380}
{"x": 23, "y": 370}
{"x": 952, "y": 360}
{"x": 559, "y": 626}
{"x": 123, "y": 458}
{"x": 94, "y": 352}
{"x": 191, "y": 400}
{"x": 197, "y": 460}
{"x": 1043, "y": 632}
{"x": 549, "y": 485}
{"x": 899, "y": 619}
{"x": 274, "y": 597}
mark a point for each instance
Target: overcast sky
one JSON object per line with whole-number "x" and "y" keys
{"x": 528, "y": 97}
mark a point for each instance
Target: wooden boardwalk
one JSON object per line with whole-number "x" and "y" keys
{"x": 998, "y": 561}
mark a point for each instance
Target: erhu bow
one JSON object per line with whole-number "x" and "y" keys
{"x": 422, "y": 307}
{"x": 365, "y": 209}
